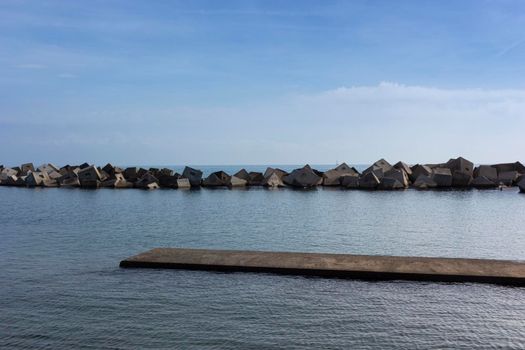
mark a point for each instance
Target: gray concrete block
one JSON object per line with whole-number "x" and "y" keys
{"x": 303, "y": 177}
{"x": 442, "y": 177}
{"x": 333, "y": 177}
{"x": 424, "y": 182}
{"x": 369, "y": 181}
{"x": 350, "y": 181}
{"x": 193, "y": 175}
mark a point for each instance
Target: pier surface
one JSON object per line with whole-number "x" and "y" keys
{"x": 368, "y": 267}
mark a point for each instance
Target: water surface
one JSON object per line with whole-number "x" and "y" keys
{"x": 62, "y": 288}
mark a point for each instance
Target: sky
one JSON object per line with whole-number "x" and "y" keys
{"x": 261, "y": 82}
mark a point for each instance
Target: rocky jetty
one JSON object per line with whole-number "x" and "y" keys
{"x": 381, "y": 175}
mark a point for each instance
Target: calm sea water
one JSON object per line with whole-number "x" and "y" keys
{"x": 61, "y": 288}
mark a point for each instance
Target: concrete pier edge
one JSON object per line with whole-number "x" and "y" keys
{"x": 363, "y": 267}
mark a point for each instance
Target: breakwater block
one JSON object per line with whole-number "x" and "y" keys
{"x": 367, "y": 267}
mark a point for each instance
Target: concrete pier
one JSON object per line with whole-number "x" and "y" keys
{"x": 368, "y": 267}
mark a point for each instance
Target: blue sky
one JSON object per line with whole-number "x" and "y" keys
{"x": 257, "y": 82}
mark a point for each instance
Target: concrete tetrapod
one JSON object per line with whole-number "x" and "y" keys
{"x": 279, "y": 172}
{"x": 419, "y": 169}
{"x": 442, "y": 177}
{"x": 234, "y": 181}
{"x": 147, "y": 182}
{"x": 216, "y": 179}
{"x": 397, "y": 174}
{"x": 7, "y": 172}
{"x": 26, "y": 168}
{"x": 333, "y": 177}
{"x": 379, "y": 168}
{"x": 506, "y": 167}
{"x": 424, "y": 182}
{"x": 303, "y": 177}
{"x": 273, "y": 180}
{"x": 194, "y": 176}
{"x": 34, "y": 179}
{"x": 255, "y": 178}
{"x": 242, "y": 174}
{"x": 183, "y": 183}
{"x": 487, "y": 171}
{"x": 350, "y": 181}
{"x": 89, "y": 177}
{"x": 462, "y": 171}
{"x": 403, "y": 166}
{"x": 483, "y": 182}
{"x": 521, "y": 185}
{"x": 369, "y": 181}
{"x": 508, "y": 178}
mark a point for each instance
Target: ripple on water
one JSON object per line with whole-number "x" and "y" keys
{"x": 61, "y": 287}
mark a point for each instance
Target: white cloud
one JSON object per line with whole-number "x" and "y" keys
{"x": 354, "y": 124}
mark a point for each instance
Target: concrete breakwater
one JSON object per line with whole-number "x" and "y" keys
{"x": 456, "y": 173}
{"x": 369, "y": 267}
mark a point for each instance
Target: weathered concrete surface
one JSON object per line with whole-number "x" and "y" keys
{"x": 26, "y": 168}
{"x": 350, "y": 181}
{"x": 193, "y": 175}
{"x": 381, "y": 163}
{"x": 462, "y": 171}
{"x": 303, "y": 177}
{"x": 483, "y": 182}
{"x": 389, "y": 183}
{"x": 279, "y": 172}
{"x": 442, "y": 177}
{"x": 89, "y": 177}
{"x": 242, "y": 174}
{"x": 378, "y": 168}
{"x": 255, "y": 178}
{"x": 397, "y": 174}
{"x": 131, "y": 174}
{"x": 333, "y": 177}
{"x": 118, "y": 181}
{"x": 505, "y": 167}
{"x": 48, "y": 168}
{"x": 487, "y": 171}
{"x": 336, "y": 265}
{"x": 216, "y": 179}
{"x": 69, "y": 177}
{"x": 403, "y": 166}
{"x": 147, "y": 182}
{"x": 234, "y": 181}
{"x": 168, "y": 181}
{"x": 521, "y": 185}
{"x": 424, "y": 182}
{"x": 7, "y": 172}
{"x": 183, "y": 183}
{"x": 34, "y": 178}
{"x": 508, "y": 178}
{"x": 273, "y": 180}
{"x": 369, "y": 181}
{"x": 419, "y": 169}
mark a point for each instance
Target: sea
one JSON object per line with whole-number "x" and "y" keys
{"x": 61, "y": 286}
